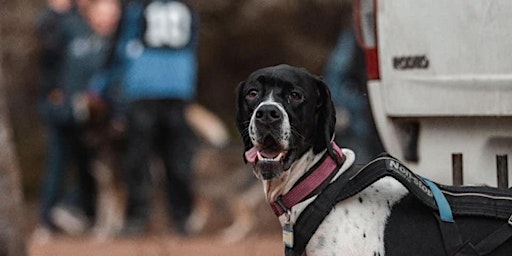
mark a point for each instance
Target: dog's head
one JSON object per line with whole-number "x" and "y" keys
{"x": 282, "y": 113}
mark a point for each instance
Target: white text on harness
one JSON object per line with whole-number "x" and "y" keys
{"x": 411, "y": 178}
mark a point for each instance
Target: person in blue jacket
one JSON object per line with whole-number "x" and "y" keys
{"x": 52, "y": 45}
{"x": 154, "y": 64}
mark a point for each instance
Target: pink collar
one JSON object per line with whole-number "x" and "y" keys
{"x": 300, "y": 191}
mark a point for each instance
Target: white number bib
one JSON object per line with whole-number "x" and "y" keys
{"x": 167, "y": 24}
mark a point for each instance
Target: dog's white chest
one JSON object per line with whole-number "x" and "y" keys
{"x": 356, "y": 226}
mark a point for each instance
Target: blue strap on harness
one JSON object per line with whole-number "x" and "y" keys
{"x": 445, "y": 211}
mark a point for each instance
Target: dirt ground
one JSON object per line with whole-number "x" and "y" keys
{"x": 155, "y": 245}
{"x": 264, "y": 240}
{"x": 218, "y": 185}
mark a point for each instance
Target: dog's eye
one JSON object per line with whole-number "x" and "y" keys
{"x": 295, "y": 96}
{"x": 252, "y": 94}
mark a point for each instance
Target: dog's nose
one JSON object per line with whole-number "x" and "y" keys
{"x": 268, "y": 114}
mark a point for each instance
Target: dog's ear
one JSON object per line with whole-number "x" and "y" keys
{"x": 326, "y": 120}
{"x": 242, "y": 118}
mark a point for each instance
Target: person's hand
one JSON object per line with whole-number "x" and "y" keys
{"x": 56, "y": 97}
{"x": 80, "y": 106}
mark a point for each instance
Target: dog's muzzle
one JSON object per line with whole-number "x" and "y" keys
{"x": 269, "y": 134}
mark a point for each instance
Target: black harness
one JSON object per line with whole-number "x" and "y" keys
{"x": 445, "y": 201}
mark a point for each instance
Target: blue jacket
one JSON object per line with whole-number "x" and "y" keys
{"x": 155, "y": 54}
{"x": 82, "y": 54}
{"x": 48, "y": 27}
{"x": 85, "y": 53}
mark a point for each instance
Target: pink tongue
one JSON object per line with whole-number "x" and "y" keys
{"x": 251, "y": 154}
{"x": 269, "y": 153}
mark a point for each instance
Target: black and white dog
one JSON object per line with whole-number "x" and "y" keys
{"x": 286, "y": 119}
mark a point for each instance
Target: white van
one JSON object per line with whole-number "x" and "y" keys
{"x": 440, "y": 82}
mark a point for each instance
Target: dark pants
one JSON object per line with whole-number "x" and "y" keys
{"x": 158, "y": 126}
{"x": 65, "y": 148}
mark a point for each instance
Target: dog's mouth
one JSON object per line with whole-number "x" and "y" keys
{"x": 257, "y": 154}
{"x": 269, "y": 159}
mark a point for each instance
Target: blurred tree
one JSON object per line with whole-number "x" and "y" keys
{"x": 20, "y": 65}
{"x": 11, "y": 221}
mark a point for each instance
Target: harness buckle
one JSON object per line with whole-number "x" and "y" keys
{"x": 510, "y": 221}
{"x": 281, "y": 204}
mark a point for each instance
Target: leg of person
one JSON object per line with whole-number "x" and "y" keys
{"x": 139, "y": 135}
{"x": 85, "y": 179}
{"x": 178, "y": 153}
{"x": 73, "y": 214}
{"x": 53, "y": 179}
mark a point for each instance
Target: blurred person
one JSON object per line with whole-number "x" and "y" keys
{"x": 155, "y": 64}
{"x": 84, "y": 37}
{"x": 345, "y": 74}
{"x": 48, "y": 27}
